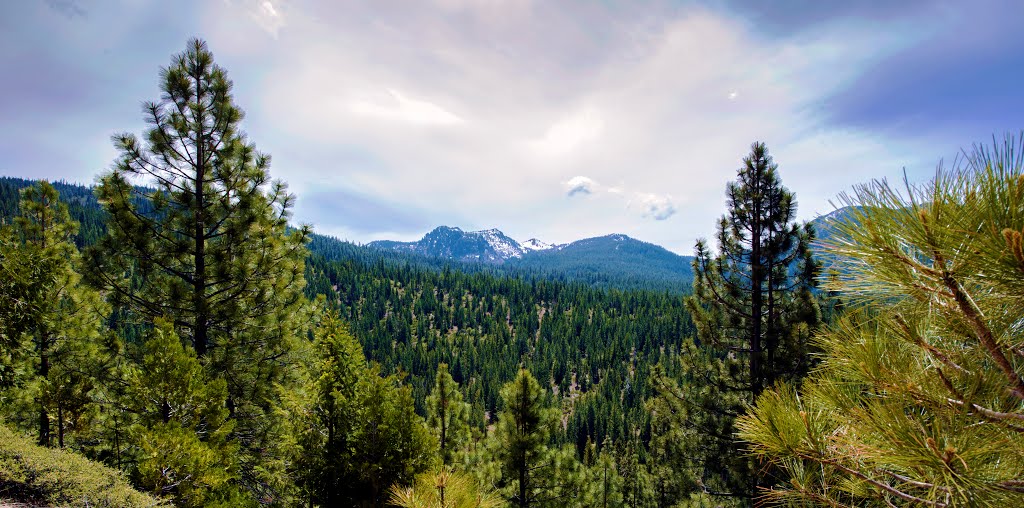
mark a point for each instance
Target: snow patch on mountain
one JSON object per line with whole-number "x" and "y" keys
{"x": 534, "y": 244}
{"x": 487, "y": 245}
{"x": 505, "y": 247}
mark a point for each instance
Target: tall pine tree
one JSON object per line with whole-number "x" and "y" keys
{"x": 754, "y": 310}
{"x": 199, "y": 234}
{"x": 753, "y": 298}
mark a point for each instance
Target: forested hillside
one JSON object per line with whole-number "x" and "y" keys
{"x": 412, "y": 313}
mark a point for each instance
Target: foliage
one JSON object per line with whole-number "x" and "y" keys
{"x": 533, "y": 473}
{"x": 443, "y": 489}
{"x": 918, "y": 400}
{"x": 208, "y": 247}
{"x": 38, "y": 475}
{"x": 602, "y": 484}
{"x": 754, "y": 311}
{"x": 49, "y": 323}
{"x": 359, "y": 434}
{"x": 448, "y": 415}
{"x": 574, "y": 339}
{"x": 180, "y": 422}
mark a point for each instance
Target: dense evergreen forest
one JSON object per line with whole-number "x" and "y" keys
{"x": 172, "y": 323}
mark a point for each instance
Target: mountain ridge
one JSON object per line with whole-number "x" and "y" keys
{"x": 614, "y": 260}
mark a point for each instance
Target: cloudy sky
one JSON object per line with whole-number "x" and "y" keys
{"x": 551, "y": 119}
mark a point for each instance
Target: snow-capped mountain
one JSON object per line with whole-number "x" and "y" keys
{"x": 614, "y": 259}
{"x": 534, "y": 244}
{"x": 487, "y": 246}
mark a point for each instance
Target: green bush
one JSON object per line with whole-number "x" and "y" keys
{"x": 38, "y": 475}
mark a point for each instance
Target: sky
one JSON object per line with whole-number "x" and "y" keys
{"x": 556, "y": 120}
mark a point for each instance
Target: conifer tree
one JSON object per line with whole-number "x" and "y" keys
{"x": 447, "y": 415}
{"x": 918, "y": 401}
{"x": 181, "y": 427}
{"x": 47, "y": 318}
{"x": 358, "y": 433}
{"x": 199, "y": 234}
{"x": 754, "y": 311}
{"x": 753, "y": 299}
{"x": 603, "y": 484}
{"x": 533, "y": 473}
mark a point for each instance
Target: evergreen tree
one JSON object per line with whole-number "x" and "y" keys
{"x": 448, "y": 415}
{"x": 359, "y": 433}
{"x": 323, "y": 415}
{"x": 533, "y": 472}
{"x": 918, "y": 401}
{"x": 754, "y": 310}
{"x": 603, "y": 486}
{"x": 48, "y": 321}
{"x": 207, "y": 245}
{"x": 181, "y": 425}
{"x": 753, "y": 299}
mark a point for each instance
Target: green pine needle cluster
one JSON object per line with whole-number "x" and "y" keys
{"x": 920, "y": 396}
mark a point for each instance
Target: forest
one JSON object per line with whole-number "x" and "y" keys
{"x": 169, "y": 337}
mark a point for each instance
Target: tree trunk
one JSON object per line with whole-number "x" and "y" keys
{"x": 60, "y": 426}
{"x": 44, "y": 416}
{"x": 756, "y": 302}
{"x": 200, "y": 332}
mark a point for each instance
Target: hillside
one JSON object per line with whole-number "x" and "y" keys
{"x": 614, "y": 261}
{"x": 40, "y": 476}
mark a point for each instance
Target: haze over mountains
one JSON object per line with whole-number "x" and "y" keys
{"x": 614, "y": 260}
{"x": 611, "y": 261}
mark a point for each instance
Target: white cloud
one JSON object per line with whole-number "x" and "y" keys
{"x": 571, "y": 133}
{"x": 538, "y": 100}
{"x": 268, "y": 9}
{"x": 580, "y": 185}
{"x": 267, "y": 16}
{"x": 650, "y": 206}
{"x": 397, "y": 107}
{"x": 655, "y": 207}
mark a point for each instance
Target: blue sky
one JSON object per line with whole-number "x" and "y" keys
{"x": 550, "y": 119}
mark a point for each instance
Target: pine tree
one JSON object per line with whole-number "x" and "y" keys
{"x": 207, "y": 244}
{"x": 448, "y": 415}
{"x": 603, "y": 486}
{"x": 357, "y": 433}
{"x": 754, "y": 310}
{"x": 181, "y": 428}
{"x": 533, "y": 473}
{"x": 753, "y": 299}
{"x": 47, "y": 318}
{"x": 918, "y": 399}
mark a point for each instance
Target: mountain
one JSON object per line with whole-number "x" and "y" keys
{"x": 825, "y": 229}
{"x": 534, "y": 244}
{"x": 488, "y": 246}
{"x": 608, "y": 261}
{"x": 613, "y": 261}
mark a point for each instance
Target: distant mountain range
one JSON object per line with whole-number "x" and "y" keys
{"x": 488, "y": 246}
{"x": 613, "y": 260}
